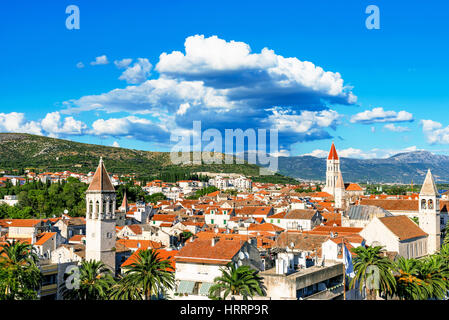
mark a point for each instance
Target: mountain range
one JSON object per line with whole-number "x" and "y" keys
{"x": 400, "y": 168}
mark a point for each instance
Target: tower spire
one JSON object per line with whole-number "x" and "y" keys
{"x": 124, "y": 205}
{"x": 429, "y": 188}
{"x": 101, "y": 180}
{"x": 332, "y": 153}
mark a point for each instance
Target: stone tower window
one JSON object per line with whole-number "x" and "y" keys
{"x": 423, "y": 204}
{"x": 430, "y": 204}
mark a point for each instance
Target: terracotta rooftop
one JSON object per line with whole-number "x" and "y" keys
{"x": 162, "y": 254}
{"x": 301, "y": 241}
{"x": 44, "y": 237}
{"x": 202, "y": 251}
{"x": 354, "y": 187}
{"x": 301, "y": 214}
{"x": 403, "y": 227}
{"x": 393, "y": 204}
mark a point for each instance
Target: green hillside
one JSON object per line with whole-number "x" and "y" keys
{"x": 22, "y": 151}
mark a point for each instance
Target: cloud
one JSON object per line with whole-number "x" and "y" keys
{"x": 226, "y": 86}
{"x": 53, "y": 125}
{"x": 138, "y": 73}
{"x": 374, "y": 153}
{"x": 100, "y": 60}
{"x": 116, "y": 144}
{"x": 434, "y": 132}
{"x": 317, "y": 153}
{"x": 131, "y": 127}
{"x": 16, "y": 122}
{"x": 394, "y": 128}
{"x": 380, "y": 115}
{"x": 124, "y": 63}
{"x": 80, "y": 65}
{"x": 261, "y": 78}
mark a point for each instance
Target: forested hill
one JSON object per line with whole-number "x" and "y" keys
{"x": 21, "y": 151}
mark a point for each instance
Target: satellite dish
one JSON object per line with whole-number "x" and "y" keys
{"x": 240, "y": 263}
{"x": 241, "y": 255}
{"x": 66, "y": 211}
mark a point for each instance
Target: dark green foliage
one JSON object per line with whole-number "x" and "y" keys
{"x": 233, "y": 281}
{"x": 20, "y": 278}
{"x": 40, "y": 200}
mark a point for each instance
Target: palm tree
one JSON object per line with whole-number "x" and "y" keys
{"x": 95, "y": 281}
{"x": 434, "y": 272}
{"x": 149, "y": 276}
{"x": 409, "y": 285}
{"x": 20, "y": 278}
{"x": 233, "y": 281}
{"x": 367, "y": 260}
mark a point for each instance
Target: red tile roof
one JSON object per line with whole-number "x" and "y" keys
{"x": 354, "y": 187}
{"x": 44, "y": 237}
{"x": 403, "y": 227}
{"x": 202, "y": 251}
{"x": 163, "y": 255}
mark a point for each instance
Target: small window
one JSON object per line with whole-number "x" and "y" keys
{"x": 279, "y": 220}
{"x": 212, "y": 221}
{"x": 224, "y": 221}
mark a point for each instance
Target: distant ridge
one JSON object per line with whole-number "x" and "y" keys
{"x": 400, "y": 168}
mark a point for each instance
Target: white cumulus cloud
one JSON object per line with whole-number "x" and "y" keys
{"x": 435, "y": 132}
{"x": 53, "y": 125}
{"x": 394, "y": 128}
{"x": 16, "y": 122}
{"x": 100, "y": 60}
{"x": 381, "y": 115}
{"x": 138, "y": 72}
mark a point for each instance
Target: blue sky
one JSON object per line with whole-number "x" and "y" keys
{"x": 381, "y": 91}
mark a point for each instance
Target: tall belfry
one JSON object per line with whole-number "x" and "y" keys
{"x": 100, "y": 218}
{"x": 429, "y": 213}
{"x": 340, "y": 193}
{"x": 332, "y": 171}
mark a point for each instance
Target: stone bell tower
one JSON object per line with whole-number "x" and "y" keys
{"x": 100, "y": 218}
{"x": 429, "y": 213}
{"x": 332, "y": 171}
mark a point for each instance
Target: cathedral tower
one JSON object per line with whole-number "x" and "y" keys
{"x": 100, "y": 218}
{"x": 429, "y": 213}
{"x": 332, "y": 171}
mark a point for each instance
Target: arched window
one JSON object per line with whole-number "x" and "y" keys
{"x": 423, "y": 204}
{"x": 111, "y": 208}
{"x": 104, "y": 207}
{"x": 97, "y": 207}
{"x": 430, "y": 204}
{"x": 91, "y": 207}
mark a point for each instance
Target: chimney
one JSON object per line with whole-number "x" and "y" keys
{"x": 215, "y": 240}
